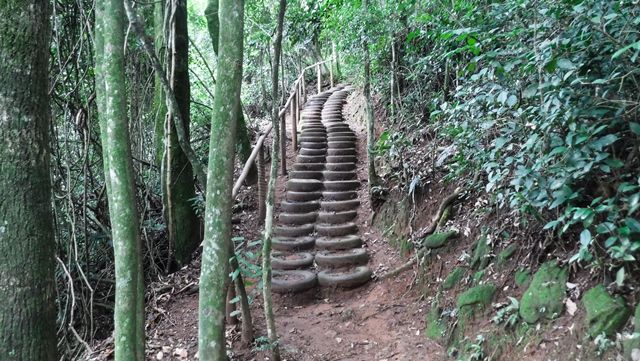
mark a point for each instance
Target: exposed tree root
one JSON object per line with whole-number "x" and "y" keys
{"x": 437, "y": 218}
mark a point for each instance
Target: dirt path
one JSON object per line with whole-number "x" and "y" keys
{"x": 378, "y": 321}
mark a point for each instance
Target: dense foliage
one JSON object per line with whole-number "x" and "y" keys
{"x": 540, "y": 97}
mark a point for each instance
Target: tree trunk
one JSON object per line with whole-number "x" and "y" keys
{"x": 119, "y": 178}
{"x": 159, "y": 103}
{"x": 243, "y": 146}
{"x": 371, "y": 135}
{"x": 27, "y": 246}
{"x": 243, "y": 149}
{"x": 178, "y": 184}
{"x": 271, "y": 193}
{"x": 215, "y": 255}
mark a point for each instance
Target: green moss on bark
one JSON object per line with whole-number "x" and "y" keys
{"x": 215, "y": 255}
{"x": 438, "y": 239}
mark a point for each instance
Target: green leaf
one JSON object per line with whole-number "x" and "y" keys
{"x": 551, "y": 224}
{"x": 621, "y": 51}
{"x": 512, "y": 100}
{"x": 530, "y": 91}
{"x": 585, "y": 238}
{"x": 620, "y": 277}
{"x": 565, "y": 64}
{"x": 635, "y": 127}
{"x": 633, "y": 224}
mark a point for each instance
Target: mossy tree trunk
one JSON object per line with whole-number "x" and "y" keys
{"x": 243, "y": 145}
{"x": 215, "y": 256}
{"x": 119, "y": 178}
{"x": 271, "y": 191}
{"x": 178, "y": 184}
{"x": 27, "y": 288}
{"x": 371, "y": 131}
{"x": 243, "y": 149}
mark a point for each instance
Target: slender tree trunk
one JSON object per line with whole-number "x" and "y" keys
{"x": 183, "y": 226}
{"x": 271, "y": 193}
{"x": 119, "y": 177}
{"x": 243, "y": 146}
{"x": 215, "y": 256}
{"x": 371, "y": 132}
{"x": 27, "y": 246}
{"x": 159, "y": 102}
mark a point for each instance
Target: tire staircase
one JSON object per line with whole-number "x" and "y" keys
{"x": 316, "y": 241}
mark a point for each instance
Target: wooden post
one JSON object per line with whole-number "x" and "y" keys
{"x": 304, "y": 88}
{"x": 294, "y": 120}
{"x": 331, "y": 74}
{"x": 319, "y": 78}
{"x": 262, "y": 186}
{"x": 283, "y": 142}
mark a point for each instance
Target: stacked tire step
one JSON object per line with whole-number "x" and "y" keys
{"x": 316, "y": 226}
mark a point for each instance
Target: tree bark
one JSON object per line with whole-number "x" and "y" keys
{"x": 27, "y": 246}
{"x": 271, "y": 192}
{"x": 215, "y": 255}
{"x": 178, "y": 184}
{"x": 243, "y": 146}
{"x": 119, "y": 177}
{"x": 159, "y": 103}
{"x": 243, "y": 149}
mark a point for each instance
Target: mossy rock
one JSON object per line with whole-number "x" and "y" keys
{"x": 474, "y": 298}
{"x": 435, "y": 329}
{"x": 477, "y": 277}
{"x": 480, "y": 258}
{"x": 605, "y": 314}
{"x": 522, "y": 278}
{"x": 453, "y": 278}
{"x": 506, "y": 254}
{"x": 545, "y": 296}
{"x": 438, "y": 239}
{"x": 632, "y": 345}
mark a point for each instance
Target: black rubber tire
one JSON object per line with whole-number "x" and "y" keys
{"x": 351, "y": 257}
{"x": 304, "y": 281}
{"x": 280, "y": 263}
{"x": 348, "y": 279}
{"x": 337, "y": 243}
{"x": 293, "y": 244}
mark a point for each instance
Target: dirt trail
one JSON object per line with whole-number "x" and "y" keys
{"x": 383, "y": 320}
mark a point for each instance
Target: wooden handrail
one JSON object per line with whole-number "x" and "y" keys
{"x": 297, "y": 87}
{"x": 252, "y": 158}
